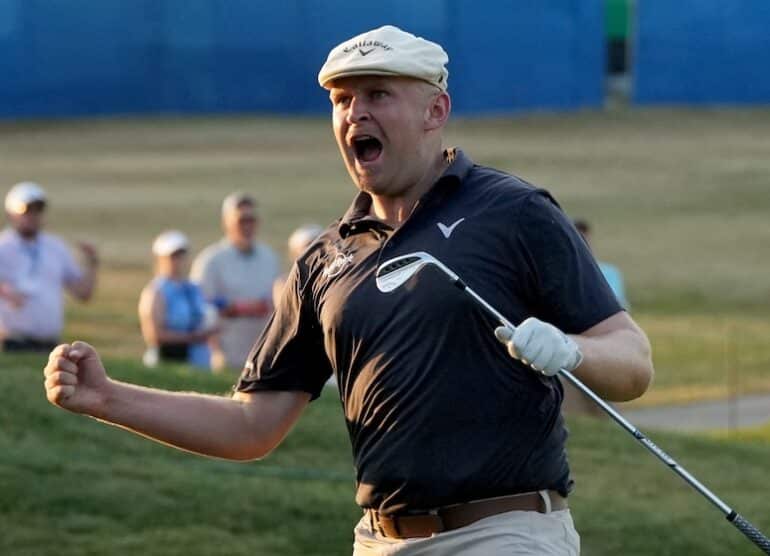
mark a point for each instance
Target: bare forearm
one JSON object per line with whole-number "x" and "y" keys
{"x": 618, "y": 365}
{"x": 84, "y": 288}
{"x": 248, "y": 308}
{"x": 207, "y": 425}
{"x": 165, "y": 336}
{"x": 246, "y": 426}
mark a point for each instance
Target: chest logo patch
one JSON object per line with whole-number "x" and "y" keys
{"x": 338, "y": 263}
{"x": 447, "y": 230}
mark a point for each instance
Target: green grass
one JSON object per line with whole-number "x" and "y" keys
{"x": 706, "y": 356}
{"x": 73, "y": 486}
{"x": 678, "y": 198}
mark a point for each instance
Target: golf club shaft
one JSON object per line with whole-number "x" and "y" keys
{"x": 751, "y": 532}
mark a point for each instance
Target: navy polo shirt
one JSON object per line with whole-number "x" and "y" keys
{"x": 437, "y": 411}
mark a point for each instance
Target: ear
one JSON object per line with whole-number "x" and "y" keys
{"x": 437, "y": 111}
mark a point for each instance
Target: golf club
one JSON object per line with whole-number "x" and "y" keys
{"x": 395, "y": 272}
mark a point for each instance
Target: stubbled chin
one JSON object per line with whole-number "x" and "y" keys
{"x": 367, "y": 181}
{"x": 366, "y": 176}
{"x": 367, "y": 169}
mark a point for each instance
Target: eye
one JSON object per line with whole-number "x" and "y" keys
{"x": 379, "y": 94}
{"x": 340, "y": 100}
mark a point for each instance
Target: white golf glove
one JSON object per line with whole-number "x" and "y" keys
{"x": 540, "y": 345}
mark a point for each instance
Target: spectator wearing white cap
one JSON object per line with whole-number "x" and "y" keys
{"x": 237, "y": 275}
{"x": 35, "y": 268}
{"x": 175, "y": 319}
{"x": 299, "y": 240}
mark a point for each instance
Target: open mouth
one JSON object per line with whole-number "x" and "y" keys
{"x": 367, "y": 148}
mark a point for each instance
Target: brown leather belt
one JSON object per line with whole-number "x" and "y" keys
{"x": 407, "y": 526}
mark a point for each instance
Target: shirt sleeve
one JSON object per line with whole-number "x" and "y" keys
{"x": 203, "y": 273}
{"x": 71, "y": 271}
{"x": 6, "y": 265}
{"x": 570, "y": 291}
{"x": 290, "y": 354}
{"x": 614, "y": 278}
{"x": 275, "y": 264}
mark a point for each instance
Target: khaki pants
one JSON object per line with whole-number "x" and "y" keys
{"x": 507, "y": 534}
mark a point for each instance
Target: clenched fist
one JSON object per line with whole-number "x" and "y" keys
{"x": 75, "y": 379}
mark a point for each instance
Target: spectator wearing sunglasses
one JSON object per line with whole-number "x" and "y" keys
{"x": 237, "y": 274}
{"x": 35, "y": 269}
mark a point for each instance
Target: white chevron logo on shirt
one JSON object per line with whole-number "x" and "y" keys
{"x": 447, "y": 230}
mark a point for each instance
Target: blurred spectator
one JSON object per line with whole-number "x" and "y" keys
{"x": 616, "y": 21}
{"x": 237, "y": 275}
{"x": 611, "y": 273}
{"x": 35, "y": 268}
{"x": 575, "y": 402}
{"x": 175, "y": 321}
{"x": 299, "y": 241}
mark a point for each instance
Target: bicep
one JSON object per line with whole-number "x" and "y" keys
{"x": 269, "y": 415}
{"x": 617, "y": 362}
{"x": 204, "y": 274}
{"x": 151, "y": 309}
{"x": 619, "y": 322}
{"x": 72, "y": 274}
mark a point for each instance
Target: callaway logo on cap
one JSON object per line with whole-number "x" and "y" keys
{"x": 387, "y": 51}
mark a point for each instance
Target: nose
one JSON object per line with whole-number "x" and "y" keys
{"x": 358, "y": 111}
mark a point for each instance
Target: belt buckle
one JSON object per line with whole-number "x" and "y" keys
{"x": 388, "y": 527}
{"x": 376, "y": 523}
{"x": 401, "y": 526}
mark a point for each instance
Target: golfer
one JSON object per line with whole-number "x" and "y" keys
{"x": 457, "y": 435}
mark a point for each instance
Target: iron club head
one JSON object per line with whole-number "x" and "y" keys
{"x": 393, "y": 273}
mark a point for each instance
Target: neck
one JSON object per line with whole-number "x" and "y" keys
{"x": 170, "y": 274}
{"x": 28, "y": 235}
{"x": 394, "y": 210}
{"x": 244, "y": 245}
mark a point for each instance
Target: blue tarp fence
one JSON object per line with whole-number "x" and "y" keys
{"x": 85, "y": 57}
{"x": 702, "y": 51}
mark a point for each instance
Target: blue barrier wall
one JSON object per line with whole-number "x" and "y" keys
{"x": 702, "y": 51}
{"x": 80, "y": 57}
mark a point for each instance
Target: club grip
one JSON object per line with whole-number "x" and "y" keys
{"x": 751, "y": 532}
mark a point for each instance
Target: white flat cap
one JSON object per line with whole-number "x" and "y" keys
{"x": 387, "y": 51}
{"x": 169, "y": 242}
{"x": 236, "y": 199}
{"x": 23, "y": 194}
{"x": 301, "y": 237}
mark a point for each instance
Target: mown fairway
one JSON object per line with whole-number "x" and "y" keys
{"x": 70, "y": 486}
{"x": 679, "y": 200}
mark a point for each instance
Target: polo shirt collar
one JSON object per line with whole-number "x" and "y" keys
{"x": 459, "y": 166}
{"x": 13, "y": 236}
{"x": 450, "y": 180}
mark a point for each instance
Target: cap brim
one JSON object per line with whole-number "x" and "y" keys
{"x": 358, "y": 72}
{"x": 20, "y": 207}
